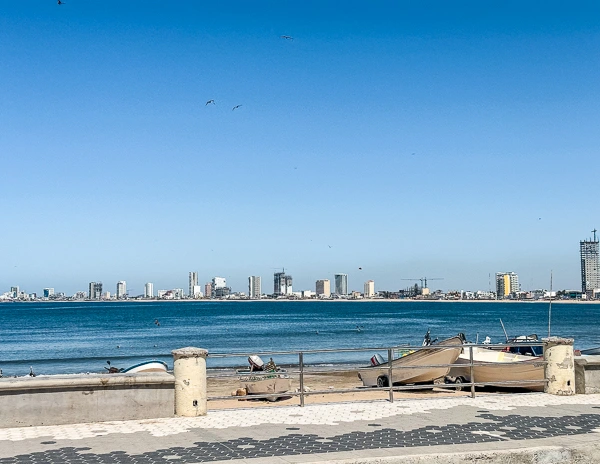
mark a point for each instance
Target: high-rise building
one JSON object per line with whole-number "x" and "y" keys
{"x": 323, "y": 288}
{"x": 282, "y": 283}
{"x": 254, "y": 287}
{"x": 369, "y": 289}
{"x": 14, "y": 291}
{"x": 193, "y": 282}
{"x": 341, "y": 284}
{"x": 208, "y": 290}
{"x": 121, "y": 290}
{"x": 149, "y": 290}
{"x": 48, "y": 292}
{"x": 219, "y": 282}
{"x": 506, "y": 284}
{"x": 590, "y": 272}
{"x": 95, "y": 290}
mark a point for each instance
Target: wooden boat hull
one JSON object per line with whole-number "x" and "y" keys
{"x": 412, "y": 367}
{"x": 492, "y": 367}
{"x": 262, "y": 383}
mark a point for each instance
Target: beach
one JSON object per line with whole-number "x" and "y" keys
{"x": 332, "y": 380}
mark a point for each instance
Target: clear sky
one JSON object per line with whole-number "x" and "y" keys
{"x": 432, "y": 138}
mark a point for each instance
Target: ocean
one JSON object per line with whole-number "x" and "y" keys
{"x": 76, "y": 337}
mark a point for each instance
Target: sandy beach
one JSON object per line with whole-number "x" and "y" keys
{"x": 317, "y": 381}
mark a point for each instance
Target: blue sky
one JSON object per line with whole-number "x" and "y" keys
{"x": 438, "y": 139}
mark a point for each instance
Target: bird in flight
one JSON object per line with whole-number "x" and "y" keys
{"x": 360, "y": 268}
{"x": 209, "y": 102}
{"x": 287, "y": 37}
{"x": 60, "y": 3}
{"x": 235, "y": 107}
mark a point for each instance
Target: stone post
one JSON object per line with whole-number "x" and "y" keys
{"x": 189, "y": 369}
{"x": 560, "y": 366}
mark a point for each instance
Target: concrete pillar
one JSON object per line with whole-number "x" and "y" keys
{"x": 560, "y": 366}
{"x": 189, "y": 369}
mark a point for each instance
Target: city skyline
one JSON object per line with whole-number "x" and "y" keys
{"x": 408, "y": 140}
{"x": 504, "y": 282}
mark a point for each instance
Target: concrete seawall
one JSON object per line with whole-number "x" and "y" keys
{"x": 73, "y": 399}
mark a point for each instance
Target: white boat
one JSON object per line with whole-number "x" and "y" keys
{"x": 146, "y": 366}
{"x": 412, "y": 367}
{"x": 263, "y": 379}
{"x": 493, "y": 367}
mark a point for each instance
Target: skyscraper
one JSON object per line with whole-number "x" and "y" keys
{"x": 323, "y": 288}
{"x": 341, "y": 284}
{"x": 193, "y": 282}
{"x": 149, "y": 290}
{"x": 506, "y": 283}
{"x": 121, "y": 289}
{"x": 282, "y": 284}
{"x": 95, "y": 290}
{"x": 369, "y": 289}
{"x": 254, "y": 287}
{"x": 590, "y": 272}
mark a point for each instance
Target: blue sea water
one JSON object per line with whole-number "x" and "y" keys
{"x": 61, "y": 338}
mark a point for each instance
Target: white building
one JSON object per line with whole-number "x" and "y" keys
{"x": 219, "y": 282}
{"x": 323, "y": 288}
{"x": 149, "y": 290}
{"x": 197, "y": 292}
{"x": 369, "y": 289}
{"x": 121, "y": 290}
{"x": 254, "y": 289}
{"x": 308, "y": 294}
{"x": 48, "y": 292}
{"x": 192, "y": 282}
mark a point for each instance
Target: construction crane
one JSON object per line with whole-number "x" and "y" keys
{"x": 424, "y": 280}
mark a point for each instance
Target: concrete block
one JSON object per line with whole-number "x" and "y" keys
{"x": 587, "y": 374}
{"x": 71, "y": 399}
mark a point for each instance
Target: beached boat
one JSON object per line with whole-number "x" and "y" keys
{"x": 146, "y": 366}
{"x": 412, "y": 367}
{"x": 263, "y": 379}
{"x": 492, "y": 367}
{"x": 591, "y": 351}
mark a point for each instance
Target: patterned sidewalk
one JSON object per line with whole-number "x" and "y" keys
{"x": 317, "y": 432}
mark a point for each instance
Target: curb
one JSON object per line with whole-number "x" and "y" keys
{"x": 587, "y": 454}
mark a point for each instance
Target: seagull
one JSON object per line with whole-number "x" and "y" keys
{"x": 235, "y": 107}
{"x": 329, "y": 246}
{"x": 209, "y": 102}
{"x": 287, "y": 37}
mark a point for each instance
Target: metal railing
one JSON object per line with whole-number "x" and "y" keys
{"x": 302, "y": 369}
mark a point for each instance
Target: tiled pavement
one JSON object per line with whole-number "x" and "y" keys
{"x": 317, "y": 432}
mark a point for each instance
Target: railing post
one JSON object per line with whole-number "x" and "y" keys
{"x": 559, "y": 370}
{"x": 390, "y": 374}
{"x": 301, "y": 364}
{"x": 471, "y": 374}
{"x": 189, "y": 369}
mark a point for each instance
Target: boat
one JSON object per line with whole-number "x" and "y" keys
{"x": 263, "y": 379}
{"x": 146, "y": 366}
{"x": 493, "y": 367}
{"x": 591, "y": 351}
{"x": 412, "y": 367}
